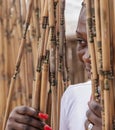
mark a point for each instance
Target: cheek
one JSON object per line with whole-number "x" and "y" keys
{"x": 80, "y": 54}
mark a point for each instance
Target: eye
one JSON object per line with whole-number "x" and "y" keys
{"x": 81, "y": 42}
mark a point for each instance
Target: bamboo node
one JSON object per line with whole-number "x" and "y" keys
{"x": 89, "y": 21}
{"x": 25, "y": 30}
{"x": 15, "y": 74}
{"x": 47, "y": 56}
{"x": 53, "y": 36}
{"x": 52, "y": 79}
{"x": 106, "y": 84}
{"x": 45, "y": 22}
{"x": 99, "y": 44}
{"x": 93, "y": 28}
{"x": 60, "y": 64}
{"x": 37, "y": 12}
{"x": 38, "y": 68}
{"x": 28, "y": 47}
{"x": 108, "y": 74}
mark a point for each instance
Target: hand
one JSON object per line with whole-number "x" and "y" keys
{"x": 94, "y": 116}
{"x": 26, "y": 118}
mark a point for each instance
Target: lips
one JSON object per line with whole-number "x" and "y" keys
{"x": 88, "y": 67}
{"x": 88, "y": 70}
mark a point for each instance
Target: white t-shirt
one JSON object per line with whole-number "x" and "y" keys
{"x": 74, "y": 106}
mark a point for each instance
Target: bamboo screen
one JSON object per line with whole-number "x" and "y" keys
{"x": 101, "y": 43}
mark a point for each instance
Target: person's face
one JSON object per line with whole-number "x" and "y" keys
{"x": 82, "y": 47}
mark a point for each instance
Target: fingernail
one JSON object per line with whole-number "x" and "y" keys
{"x": 43, "y": 116}
{"x": 46, "y": 127}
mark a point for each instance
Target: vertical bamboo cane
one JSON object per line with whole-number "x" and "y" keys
{"x": 52, "y": 60}
{"x": 99, "y": 64}
{"x": 106, "y": 57}
{"x": 61, "y": 57}
{"x": 112, "y": 42}
{"x": 91, "y": 47}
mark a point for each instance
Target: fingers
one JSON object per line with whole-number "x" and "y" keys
{"x": 19, "y": 126}
{"x": 29, "y": 120}
{"x": 43, "y": 116}
{"x": 94, "y": 126}
{"x": 93, "y": 118}
{"x": 24, "y": 110}
{"x": 95, "y": 107}
{"x": 87, "y": 124}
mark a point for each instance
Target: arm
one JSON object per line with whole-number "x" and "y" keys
{"x": 26, "y": 118}
{"x": 94, "y": 116}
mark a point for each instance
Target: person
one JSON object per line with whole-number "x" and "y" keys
{"x": 74, "y": 101}
{"x": 78, "y": 110}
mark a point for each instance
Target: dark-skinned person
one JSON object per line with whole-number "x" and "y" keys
{"x": 78, "y": 110}
{"x": 75, "y": 101}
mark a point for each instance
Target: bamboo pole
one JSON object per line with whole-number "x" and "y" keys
{"x": 99, "y": 56}
{"x": 61, "y": 61}
{"x": 8, "y": 101}
{"x": 91, "y": 46}
{"x": 44, "y": 87}
{"x": 49, "y": 105}
{"x": 106, "y": 53}
{"x": 112, "y": 92}
{"x": 52, "y": 44}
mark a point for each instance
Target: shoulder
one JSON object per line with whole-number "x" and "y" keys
{"x": 75, "y": 92}
{"x": 77, "y": 88}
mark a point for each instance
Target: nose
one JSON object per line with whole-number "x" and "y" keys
{"x": 83, "y": 54}
{"x": 86, "y": 57}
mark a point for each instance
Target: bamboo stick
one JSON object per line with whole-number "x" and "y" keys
{"x": 44, "y": 88}
{"x": 49, "y": 105}
{"x": 91, "y": 46}
{"x": 112, "y": 92}
{"x": 8, "y": 101}
{"x": 24, "y": 10}
{"x": 52, "y": 60}
{"x": 106, "y": 53}
{"x": 105, "y": 34}
{"x": 99, "y": 57}
{"x": 36, "y": 91}
{"x": 59, "y": 94}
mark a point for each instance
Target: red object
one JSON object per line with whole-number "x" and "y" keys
{"x": 43, "y": 116}
{"x": 46, "y": 127}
